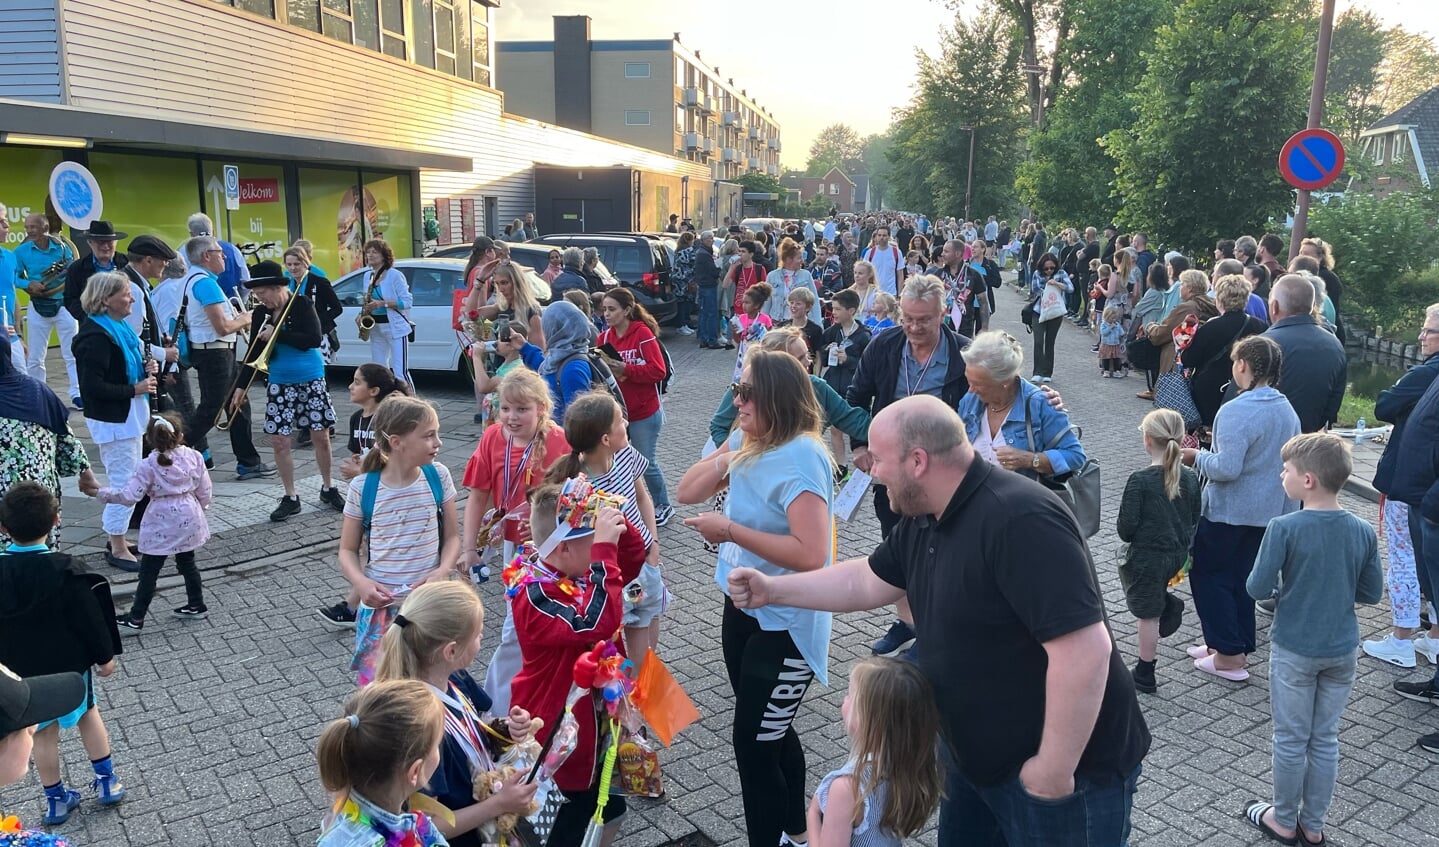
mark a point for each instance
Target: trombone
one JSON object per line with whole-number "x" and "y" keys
{"x": 260, "y": 364}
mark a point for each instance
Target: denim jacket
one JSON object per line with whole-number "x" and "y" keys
{"x": 1066, "y": 456}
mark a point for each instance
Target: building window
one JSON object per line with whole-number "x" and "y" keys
{"x": 392, "y": 29}
{"x": 637, "y": 70}
{"x": 445, "y": 32}
{"x": 1398, "y": 148}
{"x": 480, "y": 40}
{"x": 304, "y": 14}
{"x": 265, "y": 8}
{"x": 336, "y": 21}
{"x": 637, "y": 117}
{"x": 1378, "y": 149}
{"x": 834, "y": 189}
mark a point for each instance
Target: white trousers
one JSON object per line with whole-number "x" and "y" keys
{"x": 393, "y": 353}
{"x": 120, "y": 458}
{"x": 37, "y": 342}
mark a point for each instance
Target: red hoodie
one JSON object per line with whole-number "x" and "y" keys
{"x": 644, "y": 368}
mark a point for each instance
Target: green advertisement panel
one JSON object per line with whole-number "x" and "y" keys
{"x": 147, "y": 194}
{"x": 24, "y": 177}
{"x": 339, "y": 214}
{"x": 261, "y": 217}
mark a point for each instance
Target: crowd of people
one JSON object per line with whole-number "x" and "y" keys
{"x": 877, "y": 328}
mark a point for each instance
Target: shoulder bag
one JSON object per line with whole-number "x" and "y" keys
{"x": 1081, "y": 490}
{"x": 181, "y": 331}
{"x": 1173, "y": 392}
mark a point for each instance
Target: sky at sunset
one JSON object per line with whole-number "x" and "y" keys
{"x": 815, "y": 64}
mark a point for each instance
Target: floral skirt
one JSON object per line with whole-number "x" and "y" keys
{"x": 300, "y": 405}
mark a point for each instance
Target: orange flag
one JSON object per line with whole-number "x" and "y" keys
{"x": 665, "y": 705}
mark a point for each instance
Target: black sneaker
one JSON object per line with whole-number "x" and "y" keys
{"x": 303, "y": 439}
{"x": 1144, "y": 681}
{"x": 899, "y": 634}
{"x": 1421, "y": 692}
{"x": 1172, "y": 616}
{"x": 129, "y": 625}
{"x": 192, "y": 611}
{"x": 289, "y": 506}
{"x": 1430, "y": 742}
{"x": 333, "y": 498}
{"x": 339, "y": 616}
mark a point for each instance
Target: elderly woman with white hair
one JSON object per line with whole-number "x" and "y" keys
{"x": 117, "y": 377}
{"x": 1012, "y": 422}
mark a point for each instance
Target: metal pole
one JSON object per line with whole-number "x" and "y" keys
{"x": 1316, "y": 116}
{"x": 969, "y": 181}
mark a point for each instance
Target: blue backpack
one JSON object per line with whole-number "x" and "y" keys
{"x": 371, "y": 490}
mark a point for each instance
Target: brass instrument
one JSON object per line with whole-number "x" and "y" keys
{"x": 53, "y": 280}
{"x": 365, "y": 320}
{"x": 259, "y": 364}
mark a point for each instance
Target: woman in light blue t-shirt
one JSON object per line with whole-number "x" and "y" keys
{"x": 777, "y": 518}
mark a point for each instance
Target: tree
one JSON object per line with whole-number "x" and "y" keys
{"x": 1226, "y": 85}
{"x": 1410, "y": 68}
{"x": 1069, "y": 178}
{"x": 755, "y": 182}
{"x": 1352, "y": 92}
{"x": 836, "y": 145}
{"x": 876, "y": 164}
{"x": 1036, "y": 21}
{"x": 929, "y": 153}
{"x": 1383, "y": 249}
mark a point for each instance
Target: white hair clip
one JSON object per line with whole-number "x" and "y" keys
{"x": 162, "y": 423}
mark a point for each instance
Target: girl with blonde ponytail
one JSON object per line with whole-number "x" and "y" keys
{"x": 434, "y": 639}
{"x": 1156, "y": 519}
{"x": 403, "y": 501}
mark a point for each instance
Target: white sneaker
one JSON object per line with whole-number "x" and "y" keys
{"x": 1428, "y": 648}
{"x": 684, "y": 330}
{"x": 1393, "y": 650}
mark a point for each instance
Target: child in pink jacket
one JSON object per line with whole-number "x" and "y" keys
{"x": 175, "y": 480}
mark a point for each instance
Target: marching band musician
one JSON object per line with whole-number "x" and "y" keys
{"x": 211, "y": 323}
{"x": 40, "y": 257}
{"x": 285, "y": 334}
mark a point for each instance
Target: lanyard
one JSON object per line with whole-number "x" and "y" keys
{"x": 911, "y": 386}
{"x": 511, "y": 484}
{"x": 461, "y": 724}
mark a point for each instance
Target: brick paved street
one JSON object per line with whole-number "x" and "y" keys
{"x": 214, "y": 722}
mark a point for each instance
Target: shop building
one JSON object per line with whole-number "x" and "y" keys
{"x": 656, "y": 94}
{"x": 344, "y": 125}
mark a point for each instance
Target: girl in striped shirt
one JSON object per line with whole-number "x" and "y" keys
{"x": 411, "y": 539}
{"x": 600, "y": 448}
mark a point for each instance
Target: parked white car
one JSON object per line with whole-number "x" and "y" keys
{"x": 433, "y": 283}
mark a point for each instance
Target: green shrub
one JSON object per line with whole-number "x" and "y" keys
{"x": 1384, "y": 249}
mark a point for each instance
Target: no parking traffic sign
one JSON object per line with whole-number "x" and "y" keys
{"x": 1311, "y": 159}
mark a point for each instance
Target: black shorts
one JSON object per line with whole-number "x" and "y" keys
{"x": 297, "y": 406}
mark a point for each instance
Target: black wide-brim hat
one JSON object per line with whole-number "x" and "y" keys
{"x": 104, "y": 231}
{"x": 265, "y": 275}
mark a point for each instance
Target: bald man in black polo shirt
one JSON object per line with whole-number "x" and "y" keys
{"x": 1042, "y": 726}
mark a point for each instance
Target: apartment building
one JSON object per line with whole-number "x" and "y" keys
{"x": 656, "y": 94}
{"x": 347, "y": 119}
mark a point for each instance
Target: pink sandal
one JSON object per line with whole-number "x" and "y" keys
{"x": 1198, "y": 651}
{"x": 1206, "y": 665}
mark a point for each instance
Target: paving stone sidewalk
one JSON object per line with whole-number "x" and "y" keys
{"x": 214, "y": 722}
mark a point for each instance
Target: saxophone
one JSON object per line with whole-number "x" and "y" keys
{"x": 365, "y": 320}
{"x": 53, "y": 279}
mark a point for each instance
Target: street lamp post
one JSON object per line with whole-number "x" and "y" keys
{"x": 969, "y": 180}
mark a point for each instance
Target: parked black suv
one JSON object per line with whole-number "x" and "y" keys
{"x": 641, "y": 264}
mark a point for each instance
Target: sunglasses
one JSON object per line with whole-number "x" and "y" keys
{"x": 742, "y": 391}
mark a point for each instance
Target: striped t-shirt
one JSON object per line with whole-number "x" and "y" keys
{"x": 404, "y": 529}
{"x": 629, "y": 466}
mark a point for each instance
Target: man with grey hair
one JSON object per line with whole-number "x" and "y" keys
{"x": 236, "y": 271}
{"x": 571, "y": 276}
{"x": 920, "y": 356}
{"x": 1313, "y": 370}
{"x": 213, "y": 323}
{"x": 998, "y": 573}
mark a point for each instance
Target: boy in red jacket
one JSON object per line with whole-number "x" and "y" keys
{"x": 562, "y": 604}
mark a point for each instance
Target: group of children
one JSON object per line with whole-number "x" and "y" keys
{"x": 1316, "y": 563}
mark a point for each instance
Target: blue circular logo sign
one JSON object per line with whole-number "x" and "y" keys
{"x": 76, "y": 194}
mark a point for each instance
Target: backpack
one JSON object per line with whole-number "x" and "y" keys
{"x": 600, "y": 376}
{"x": 371, "y": 490}
{"x": 669, "y": 367}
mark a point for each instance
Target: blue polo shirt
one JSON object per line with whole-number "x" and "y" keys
{"x": 34, "y": 262}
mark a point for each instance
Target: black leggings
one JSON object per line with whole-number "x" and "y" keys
{"x": 769, "y": 678}
{"x": 1045, "y": 332}
{"x": 150, "y": 572}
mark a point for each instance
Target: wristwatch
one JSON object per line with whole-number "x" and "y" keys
{"x": 1035, "y": 463}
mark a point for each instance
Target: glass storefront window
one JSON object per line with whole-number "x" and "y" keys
{"x": 339, "y": 214}
{"x": 24, "y": 182}
{"x": 155, "y": 194}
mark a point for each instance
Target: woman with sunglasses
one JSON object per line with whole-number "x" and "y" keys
{"x": 778, "y": 518}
